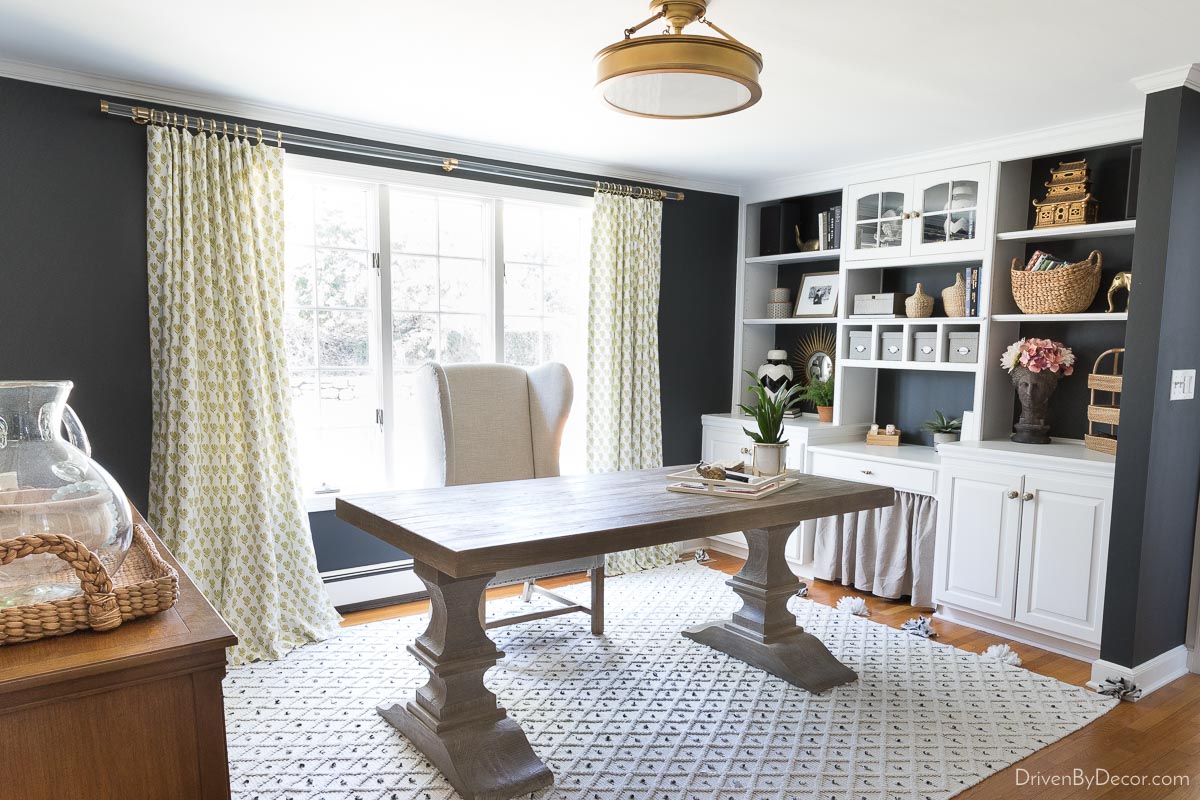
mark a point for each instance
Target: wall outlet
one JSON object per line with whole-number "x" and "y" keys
{"x": 1183, "y": 384}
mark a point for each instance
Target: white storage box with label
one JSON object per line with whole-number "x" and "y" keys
{"x": 964, "y": 347}
{"x": 925, "y": 346}
{"x": 891, "y": 346}
{"x": 860, "y": 345}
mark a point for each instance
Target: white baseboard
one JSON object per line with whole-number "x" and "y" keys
{"x": 1055, "y": 644}
{"x": 1150, "y": 675}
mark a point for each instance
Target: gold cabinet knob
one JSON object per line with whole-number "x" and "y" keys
{"x": 916, "y": 214}
{"x": 1013, "y": 494}
{"x": 906, "y": 215}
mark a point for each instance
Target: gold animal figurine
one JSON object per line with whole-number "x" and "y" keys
{"x": 1121, "y": 281}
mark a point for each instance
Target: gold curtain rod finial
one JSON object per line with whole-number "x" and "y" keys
{"x": 449, "y": 164}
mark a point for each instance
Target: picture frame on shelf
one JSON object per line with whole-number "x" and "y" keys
{"x": 818, "y": 295}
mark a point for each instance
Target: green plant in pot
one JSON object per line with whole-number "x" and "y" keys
{"x": 770, "y": 448}
{"x": 820, "y": 394}
{"x": 943, "y": 429}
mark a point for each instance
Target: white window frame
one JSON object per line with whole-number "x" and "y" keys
{"x": 382, "y": 178}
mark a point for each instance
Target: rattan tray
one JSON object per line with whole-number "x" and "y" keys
{"x": 144, "y": 585}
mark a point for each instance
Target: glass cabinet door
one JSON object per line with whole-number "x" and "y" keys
{"x": 879, "y": 212}
{"x": 950, "y": 210}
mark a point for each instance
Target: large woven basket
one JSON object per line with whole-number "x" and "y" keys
{"x": 144, "y": 585}
{"x": 1068, "y": 289}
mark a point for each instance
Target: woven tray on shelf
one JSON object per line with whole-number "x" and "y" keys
{"x": 1068, "y": 289}
{"x": 144, "y": 585}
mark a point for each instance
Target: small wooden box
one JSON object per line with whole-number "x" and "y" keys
{"x": 884, "y": 439}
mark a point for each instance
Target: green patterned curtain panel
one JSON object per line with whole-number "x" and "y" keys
{"x": 224, "y": 490}
{"x": 624, "y": 416}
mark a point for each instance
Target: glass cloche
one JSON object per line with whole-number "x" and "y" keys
{"x": 49, "y": 484}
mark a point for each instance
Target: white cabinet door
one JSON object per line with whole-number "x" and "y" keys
{"x": 978, "y": 534}
{"x": 949, "y": 210}
{"x": 723, "y": 444}
{"x": 876, "y": 224}
{"x": 1064, "y": 554}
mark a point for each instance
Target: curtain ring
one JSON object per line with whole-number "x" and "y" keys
{"x": 278, "y": 138}
{"x": 259, "y": 135}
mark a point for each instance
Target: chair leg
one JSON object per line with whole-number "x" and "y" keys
{"x": 527, "y": 592}
{"x": 597, "y": 578}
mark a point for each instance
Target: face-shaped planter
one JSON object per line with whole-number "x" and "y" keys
{"x": 1033, "y": 390}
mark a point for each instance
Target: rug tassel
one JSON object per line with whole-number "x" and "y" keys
{"x": 919, "y": 626}
{"x": 853, "y": 605}
{"x": 1120, "y": 688}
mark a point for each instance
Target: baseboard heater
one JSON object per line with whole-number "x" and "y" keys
{"x": 373, "y": 586}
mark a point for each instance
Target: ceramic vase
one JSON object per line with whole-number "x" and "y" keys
{"x": 1034, "y": 390}
{"x": 770, "y": 459}
{"x": 944, "y": 438}
{"x": 776, "y": 374}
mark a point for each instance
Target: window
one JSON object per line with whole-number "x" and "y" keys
{"x": 387, "y": 271}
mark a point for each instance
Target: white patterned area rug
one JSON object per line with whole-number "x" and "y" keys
{"x": 643, "y": 713}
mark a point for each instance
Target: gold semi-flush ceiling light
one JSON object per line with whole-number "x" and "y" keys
{"x": 676, "y": 76}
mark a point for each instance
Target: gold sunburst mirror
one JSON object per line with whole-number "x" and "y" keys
{"x": 813, "y": 355}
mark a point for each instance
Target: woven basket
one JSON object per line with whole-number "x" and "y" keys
{"x": 1068, "y": 289}
{"x": 145, "y": 585}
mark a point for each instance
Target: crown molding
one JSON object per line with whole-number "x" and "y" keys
{"x": 1125, "y": 126}
{"x": 118, "y": 88}
{"x": 1187, "y": 75}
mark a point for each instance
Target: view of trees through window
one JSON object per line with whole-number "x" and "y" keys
{"x": 465, "y": 277}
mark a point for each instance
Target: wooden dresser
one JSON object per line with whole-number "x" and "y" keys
{"x": 134, "y": 712}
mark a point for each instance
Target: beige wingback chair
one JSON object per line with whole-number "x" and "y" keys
{"x": 493, "y": 422}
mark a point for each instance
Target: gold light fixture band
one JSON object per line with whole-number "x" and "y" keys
{"x": 152, "y": 116}
{"x": 624, "y": 190}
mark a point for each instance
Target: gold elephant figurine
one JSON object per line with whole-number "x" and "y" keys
{"x": 1120, "y": 281}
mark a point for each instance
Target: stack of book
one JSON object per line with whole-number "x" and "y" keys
{"x": 829, "y": 228}
{"x": 1043, "y": 262}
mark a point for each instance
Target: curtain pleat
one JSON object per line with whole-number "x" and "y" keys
{"x": 624, "y": 418}
{"x": 224, "y": 488}
{"x": 885, "y": 551}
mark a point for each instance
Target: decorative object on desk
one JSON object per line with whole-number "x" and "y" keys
{"x": 717, "y": 470}
{"x": 1122, "y": 280}
{"x": 1060, "y": 289}
{"x": 53, "y": 487}
{"x": 818, "y": 295}
{"x": 954, "y": 298}
{"x": 820, "y": 394}
{"x": 813, "y": 355}
{"x": 943, "y": 429}
{"x": 1068, "y": 199}
{"x": 776, "y": 374}
{"x": 780, "y": 305}
{"x": 770, "y": 448}
{"x": 742, "y": 487}
{"x": 144, "y": 584}
{"x": 919, "y": 305}
{"x": 881, "y": 305}
{"x": 1036, "y": 365}
{"x": 889, "y": 437}
{"x": 1107, "y": 414}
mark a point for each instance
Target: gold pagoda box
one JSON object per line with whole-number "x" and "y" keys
{"x": 1068, "y": 199}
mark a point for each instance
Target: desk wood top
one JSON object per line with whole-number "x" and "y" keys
{"x": 487, "y": 527}
{"x": 189, "y": 633}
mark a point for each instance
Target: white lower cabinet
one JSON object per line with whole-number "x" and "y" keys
{"x": 1025, "y": 544}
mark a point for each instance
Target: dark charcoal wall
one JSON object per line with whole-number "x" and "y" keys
{"x": 1158, "y": 462}
{"x": 73, "y": 287}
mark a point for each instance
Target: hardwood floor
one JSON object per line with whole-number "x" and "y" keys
{"x": 1156, "y": 736}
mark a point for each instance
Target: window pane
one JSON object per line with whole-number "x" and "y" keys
{"x": 306, "y": 411}
{"x": 414, "y": 226}
{"x": 341, "y": 218}
{"x": 300, "y": 335}
{"x": 522, "y": 345}
{"x": 298, "y": 211}
{"x": 564, "y": 342}
{"x": 348, "y": 458}
{"x": 462, "y": 338}
{"x": 343, "y": 278}
{"x": 522, "y": 289}
{"x": 344, "y": 339}
{"x": 566, "y": 290}
{"x": 414, "y": 283}
{"x": 413, "y": 338}
{"x": 462, "y": 285}
{"x": 522, "y": 232}
{"x": 561, "y": 234}
{"x": 348, "y": 398}
{"x": 301, "y": 275}
{"x": 461, "y": 228}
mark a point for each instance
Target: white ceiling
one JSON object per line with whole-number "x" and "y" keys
{"x": 844, "y": 82}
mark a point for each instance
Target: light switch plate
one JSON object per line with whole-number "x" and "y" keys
{"x": 1183, "y": 384}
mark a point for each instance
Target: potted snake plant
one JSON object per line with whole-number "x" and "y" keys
{"x": 943, "y": 429}
{"x": 770, "y": 448}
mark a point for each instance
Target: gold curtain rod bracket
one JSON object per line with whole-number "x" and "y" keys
{"x": 449, "y": 164}
{"x": 142, "y": 115}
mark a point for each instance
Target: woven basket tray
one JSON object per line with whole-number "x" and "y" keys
{"x": 145, "y": 585}
{"x": 1068, "y": 289}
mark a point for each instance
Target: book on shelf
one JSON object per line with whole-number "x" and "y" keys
{"x": 971, "y": 276}
{"x": 1043, "y": 262}
{"x": 822, "y": 226}
{"x": 835, "y": 227}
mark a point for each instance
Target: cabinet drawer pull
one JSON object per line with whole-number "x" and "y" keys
{"x": 1013, "y": 494}
{"x": 1026, "y": 497}
{"x": 867, "y": 472}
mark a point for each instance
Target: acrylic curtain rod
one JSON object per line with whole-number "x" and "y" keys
{"x": 150, "y": 116}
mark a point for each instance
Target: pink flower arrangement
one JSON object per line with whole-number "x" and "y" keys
{"x": 1038, "y": 355}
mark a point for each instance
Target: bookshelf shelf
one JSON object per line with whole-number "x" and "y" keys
{"x": 791, "y": 321}
{"x": 1097, "y": 230}
{"x": 908, "y": 323}
{"x": 1097, "y": 316}
{"x": 915, "y": 366}
{"x": 796, "y": 258}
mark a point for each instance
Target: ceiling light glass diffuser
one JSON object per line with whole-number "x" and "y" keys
{"x": 677, "y": 76}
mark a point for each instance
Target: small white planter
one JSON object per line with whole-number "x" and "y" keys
{"x": 943, "y": 438}
{"x": 770, "y": 459}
